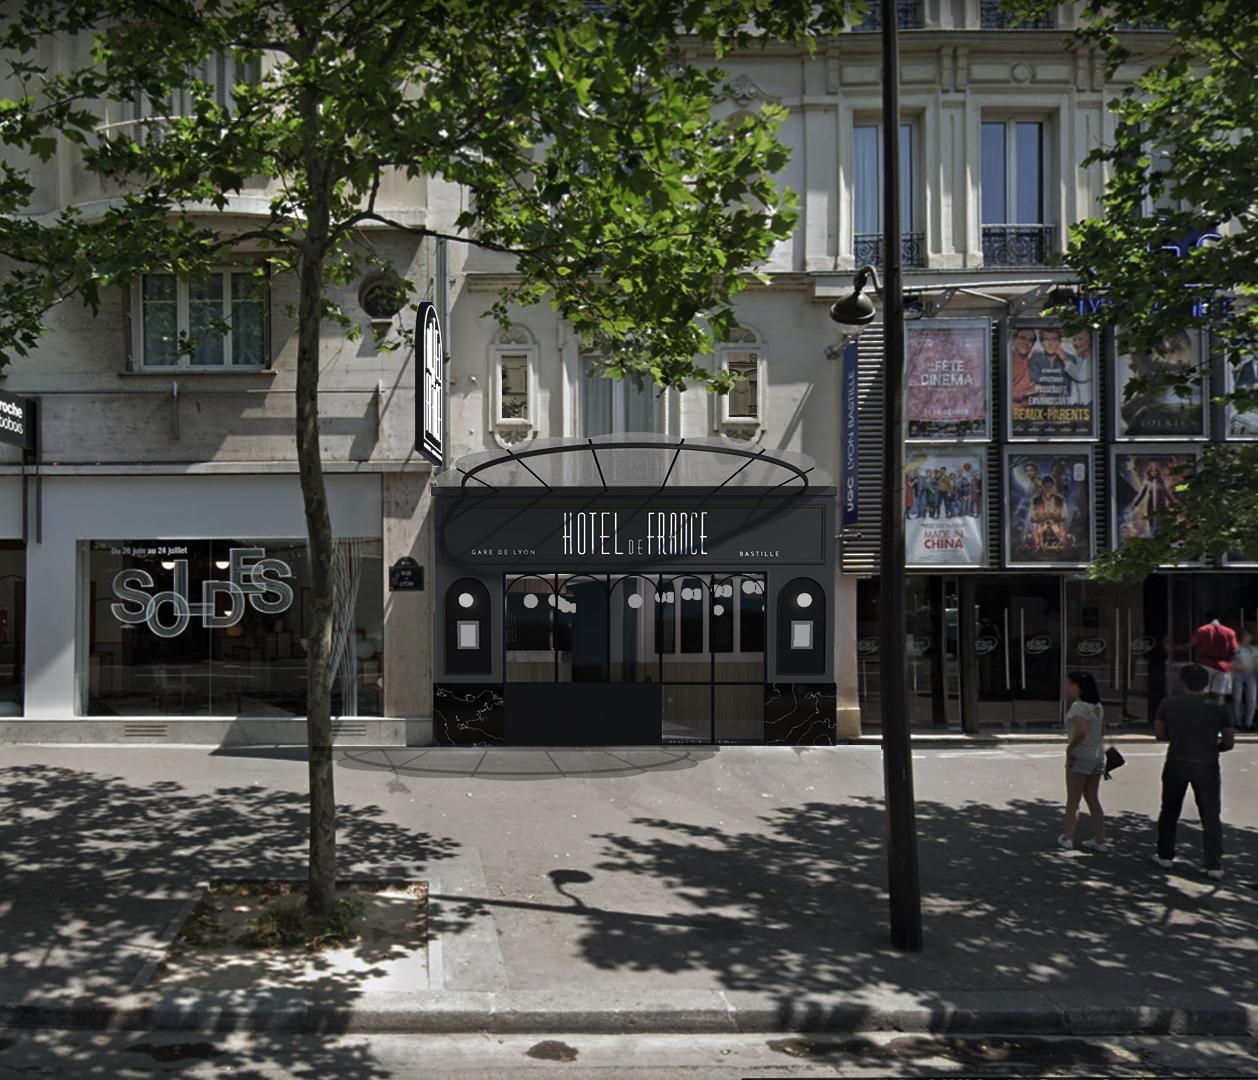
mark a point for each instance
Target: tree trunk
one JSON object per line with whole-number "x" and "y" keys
{"x": 321, "y": 871}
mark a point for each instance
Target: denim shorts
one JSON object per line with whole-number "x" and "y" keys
{"x": 1089, "y": 764}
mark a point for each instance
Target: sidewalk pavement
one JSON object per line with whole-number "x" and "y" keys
{"x": 666, "y": 890}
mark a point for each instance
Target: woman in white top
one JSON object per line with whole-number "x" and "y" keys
{"x": 1085, "y": 759}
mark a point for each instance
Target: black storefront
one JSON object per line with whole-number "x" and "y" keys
{"x": 634, "y": 590}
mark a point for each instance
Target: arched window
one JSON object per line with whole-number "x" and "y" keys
{"x": 634, "y": 657}
{"x": 513, "y": 382}
{"x": 741, "y": 412}
{"x": 581, "y": 629}
{"x": 530, "y": 629}
{"x": 802, "y": 628}
{"x": 467, "y": 633}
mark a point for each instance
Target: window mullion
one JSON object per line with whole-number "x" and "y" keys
{"x": 228, "y": 359}
{"x": 182, "y": 320}
{"x": 1011, "y": 179}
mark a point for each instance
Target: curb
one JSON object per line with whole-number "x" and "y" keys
{"x": 679, "y": 1012}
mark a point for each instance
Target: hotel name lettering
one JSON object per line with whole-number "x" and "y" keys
{"x": 620, "y": 535}
{"x": 666, "y": 533}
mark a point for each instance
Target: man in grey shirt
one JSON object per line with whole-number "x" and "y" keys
{"x": 1198, "y": 730}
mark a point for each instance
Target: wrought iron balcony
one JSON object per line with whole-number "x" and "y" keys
{"x": 993, "y": 16}
{"x": 908, "y": 16}
{"x": 1017, "y": 245}
{"x": 867, "y": 249}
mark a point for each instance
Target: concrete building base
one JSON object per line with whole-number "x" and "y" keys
{"x": 216, "y": 731}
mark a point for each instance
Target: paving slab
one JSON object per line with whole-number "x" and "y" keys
{"x": 676, "y": 889}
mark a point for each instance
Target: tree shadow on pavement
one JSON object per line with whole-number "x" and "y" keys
{"x": 800, "y": 906}
{"x": 96, "y": 873}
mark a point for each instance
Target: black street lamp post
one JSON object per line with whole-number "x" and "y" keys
{"x": 904, "y": 886}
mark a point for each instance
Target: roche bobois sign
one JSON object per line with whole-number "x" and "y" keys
{"x": 252, "y": 579}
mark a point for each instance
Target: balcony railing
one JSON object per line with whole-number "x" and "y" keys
{"x": 867, "y": 248}
{"x": 1017, "y": 245}
{"x": 908, "y": 16}
{"x": 992, "y": 16}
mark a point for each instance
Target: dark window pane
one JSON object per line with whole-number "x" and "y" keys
{"x": 1029, "y": 138}
{"x": 906, "y": 177}
{"x": 691, "y": 599}
{"x": 994, "y": 174}
{"x": 866, "y": 196}
{"x": 582, "y": 613}
{"x": 530, "y": 612}
{"x": 751, "y": 614}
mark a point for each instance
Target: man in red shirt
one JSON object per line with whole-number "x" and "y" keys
{"x": 1213, "y": 645}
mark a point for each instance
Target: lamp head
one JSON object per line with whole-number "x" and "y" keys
{"x": 856, "y": 309}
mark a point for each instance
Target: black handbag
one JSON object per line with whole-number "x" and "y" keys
{"x": 1113, "y": 760}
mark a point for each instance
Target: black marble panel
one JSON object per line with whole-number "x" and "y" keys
{"x": 467, "y": 715}
{"x": 799, "y": 714}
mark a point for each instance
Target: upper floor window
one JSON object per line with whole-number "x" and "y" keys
{"x": 513, "y": 379}
{"x": 867, "y": 174}
{"x": 1013, "y": 167}
{"x": 908, "y": 16}
{"x": 215, "y": 321}
{"x": 993, "y": 16}
{"x": 221, "y": 71}
{"x": 741, "y": 411}
{"x": 1160, "y": 172}
{"x": 609, "y": 406}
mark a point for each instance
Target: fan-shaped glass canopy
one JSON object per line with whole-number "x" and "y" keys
{"x": 644, "y": 460}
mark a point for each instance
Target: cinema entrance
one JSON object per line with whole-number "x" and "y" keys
{"x": 634, "y": 590}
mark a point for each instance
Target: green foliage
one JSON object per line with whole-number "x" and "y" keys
{"x": 1215, "y": 516}
{"x": 284, "y": 923}
{"x": 584, "y": 137}
{"x": 1182, "y": 161}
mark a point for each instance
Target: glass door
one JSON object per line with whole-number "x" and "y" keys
{"x": 1018, "y": 650}
{"x": 1116, "y": 633}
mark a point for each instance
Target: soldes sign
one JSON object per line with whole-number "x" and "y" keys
{"x": 252, "y": 579}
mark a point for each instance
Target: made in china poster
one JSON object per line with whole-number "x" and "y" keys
{"x": 1051, "y": 376}
{"x": 946, "y": 379}
{"x": 943, "y": 508}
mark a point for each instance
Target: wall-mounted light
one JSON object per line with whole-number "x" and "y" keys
{"x": 222, "y": 564}
{"x": 168, "y": 564}
{"x": 856, "y": 309}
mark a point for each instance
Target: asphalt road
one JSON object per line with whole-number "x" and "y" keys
{"x": 134, "y": 1056}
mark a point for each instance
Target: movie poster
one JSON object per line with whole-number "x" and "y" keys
{"x": 1048, "y": 507}
{"x": 943, "y": 508}
{"x": 1144, "y": 488}
{"x": 1242, "y": 423}
{"x": 1161, "y": 413}
{"x": 946, "y": 362}
{"x": 1051, "y": 377}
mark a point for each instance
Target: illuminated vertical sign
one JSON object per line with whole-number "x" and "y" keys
{"x": 850, "y": 492}
{"x": 430, "y": 433}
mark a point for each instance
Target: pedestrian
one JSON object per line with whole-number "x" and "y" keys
{"x": 1085, "y": 760}
{"x": 1244, "y": 681}
{"x": 1213, "y": 645}
{"x": 1197, "y": 731}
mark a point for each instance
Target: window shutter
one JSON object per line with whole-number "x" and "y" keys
{"x": 859, "y": 555}
{"x": 220, "y": 79}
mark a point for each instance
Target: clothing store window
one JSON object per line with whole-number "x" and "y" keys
{"x": 12, "y": 626}
{"x": 219, "y": 627}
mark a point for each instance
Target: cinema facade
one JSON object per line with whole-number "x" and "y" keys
{"x": 634, "y": 590}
